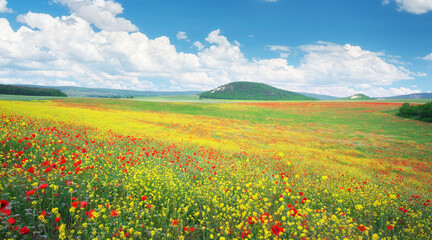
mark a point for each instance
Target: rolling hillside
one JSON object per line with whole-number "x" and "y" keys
{"x": 252, "y": 91}
{"x": 357, "y": 97}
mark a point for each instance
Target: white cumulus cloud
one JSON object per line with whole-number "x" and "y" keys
{"x": 101, "y": 13}
{"x": 413, "y": 6}
{"x": 3, "y": 8}
{"x": 427, "y": 57}
{"x": 67, "y": 50}
{"x": 181, "y": 36}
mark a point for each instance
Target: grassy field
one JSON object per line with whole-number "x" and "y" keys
{"x": 110, "y": 168}
{"x": 26, "y": 98}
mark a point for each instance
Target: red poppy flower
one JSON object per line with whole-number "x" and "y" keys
{"x": 6, "y": 212}
{"x": 245, "y": 233}
{"x": 361, "y": 228}
{"x": 43, "y": 186}
{"x": 114, "y": 213}
{"x": 11, "y": 221}
{"x": 3, "y": 204}
{"x": 24, "y": 230}
{"x": 265, "y": 217}
{"x": 252, "y": 220}
{"x": 43, "y": 213}
{"x": 57, "y": 219}
{"x": 75, "y": 204}
{"x": 31, "y": 192}
{"x": 300, "y": 193}
{"x": 30, "y": 170}
{"x": 143, "y": 198}
{"x": 390, "y": 227}
{"x": 276, "y": 229}
{"x": 191, "y": 229}
{"x": 175, "y": 222}
{"x": 83, "y": 204}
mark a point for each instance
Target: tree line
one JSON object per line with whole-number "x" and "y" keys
{"x": 421, "y": 112}
{"x": 30, "y": 91}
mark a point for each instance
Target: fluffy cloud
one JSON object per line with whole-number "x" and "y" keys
{"x": 347, "y": 64}
{"x": 68, "y": 51}
{"x": 3, "y": 7}
{"x": 101, "y": 13}
{"x": 413, "y": 6}
{"x": 283, "y": 50}
{"x": 181, "y": 36}
{"x": 428, "y": 57}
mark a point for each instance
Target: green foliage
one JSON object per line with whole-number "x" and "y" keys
{"x": 30, "y": 91}
{"x": 418, "y": 112}
{"x": 252, "y": 91}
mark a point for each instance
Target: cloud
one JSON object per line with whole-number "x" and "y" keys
{"x": 428, "y": 57}
{"x": 279, "y": 48}
{"x": 3, "y": 8}
{"x": 270, "y": 0}
{"x": 284, "y": 51}
{"x": 67, "y": 50}
{"x": 198, "y": 45}
{"x": 101, "y": 13}
{"x": 347, "y": 64}
{"x": 181, "y": 36}
{"x": 412, "y": 6}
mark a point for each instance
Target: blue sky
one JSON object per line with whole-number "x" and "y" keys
{"x": 337, "y": 47}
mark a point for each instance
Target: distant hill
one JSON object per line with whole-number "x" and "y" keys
{"x": 319, "y": 96}
{"x": 112, "y": 93}
{"x": 357, "y": 97}
{"x": 30, "y": 91}
{"x": 252, "y": 91}
{"x": 412, "y": 96}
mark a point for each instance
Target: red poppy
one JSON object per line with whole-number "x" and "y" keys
{"x": 276, "y": 229}
{"x": 30, "y": 170}
{"x": 114, "y": 213}
{"x": 83, "y": 204}
{"x": 175, "y": 222}
{"x": 143, "y": 198}
{"x": 265, "y": 217}
{"x": 3, "y": 204}
{"x": 11, "y": 221}
{"x": 6, "y": 212}
{"x": 43, "y": 186}
{"x": 57, "y": 219}
{"x": 361, "y": 228}
{"x": 252, "y": 220}
{"x": 191, "y": 229}
{"x": 43, "y": 213}
{"x": 75, "y": 204}
{"x": 24, "y": 230}
{"x": 390, "y": 227}
{"x": 31, "y": 192}
{"x": 300, "y": 193}
{"x": 245, "y": 233}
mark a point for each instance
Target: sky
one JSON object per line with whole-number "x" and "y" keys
{"x": 332, "y": 47}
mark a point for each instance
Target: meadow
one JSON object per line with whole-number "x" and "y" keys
{"x": 119, "y": 169}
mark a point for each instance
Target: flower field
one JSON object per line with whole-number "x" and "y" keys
{"x": 118, "y": 169}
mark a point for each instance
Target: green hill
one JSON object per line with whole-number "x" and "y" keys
{"x": 30, "y": 91}
{"x": 252, "y": 91}
{"x": 357, "y": 97}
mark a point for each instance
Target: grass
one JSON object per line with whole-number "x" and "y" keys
{"x": 25, "y": 98}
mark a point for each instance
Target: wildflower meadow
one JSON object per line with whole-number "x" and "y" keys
{"x": 122, "y": 169}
